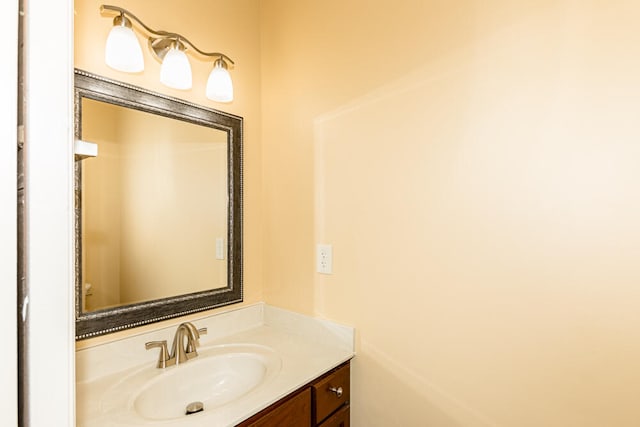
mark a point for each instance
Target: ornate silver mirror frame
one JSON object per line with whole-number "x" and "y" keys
{"x": 94, "y": 323}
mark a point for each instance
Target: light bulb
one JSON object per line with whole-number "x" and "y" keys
{"x": 219, "y": 84}
{"x": 175, "y": 71}
{"x": 123, "y": 52}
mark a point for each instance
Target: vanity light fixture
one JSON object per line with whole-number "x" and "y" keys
{"x": 123, "y": 53}
{"x": 176, "y": 69}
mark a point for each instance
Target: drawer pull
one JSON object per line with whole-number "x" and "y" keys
{"x": 337, "y": 391}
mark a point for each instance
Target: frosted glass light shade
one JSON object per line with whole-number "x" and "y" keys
{"x": 219, "y": 84}
{"x": 175, "y": 71}
{"x": 123, "y": 52}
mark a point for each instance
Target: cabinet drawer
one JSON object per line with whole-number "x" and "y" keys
{"x": 339, "y": 419}
{"x": 290, "y": 412}
{"x": 331, "y": 392}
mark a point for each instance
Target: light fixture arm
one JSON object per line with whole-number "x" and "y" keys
{"x": 163, "y": 34}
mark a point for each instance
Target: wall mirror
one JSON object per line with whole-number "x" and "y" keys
{"x": 158, "y": 210}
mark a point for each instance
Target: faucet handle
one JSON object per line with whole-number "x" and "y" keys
{"x": 163, "y": 358}
{"x": 202, "y": 331}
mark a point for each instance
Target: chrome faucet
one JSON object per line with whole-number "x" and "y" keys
{"x": 180, "y": 351}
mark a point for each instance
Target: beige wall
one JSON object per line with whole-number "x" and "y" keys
{"x": 475, "y": 166}
{"x": 229, "y": 26}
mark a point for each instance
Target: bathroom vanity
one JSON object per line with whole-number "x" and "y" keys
{"x": 253, "y": 366}
{"x": 256, "y": 366}
{"x": 322, "y": 403}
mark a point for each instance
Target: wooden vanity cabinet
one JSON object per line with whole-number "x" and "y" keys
{"x": 322, "y": 403}
{"x": 330, "y": 393}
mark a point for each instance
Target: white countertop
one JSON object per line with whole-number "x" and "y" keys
{"x": 307, "y": 348}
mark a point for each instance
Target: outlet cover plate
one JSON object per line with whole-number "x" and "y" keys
{"x": 324, "y": 259}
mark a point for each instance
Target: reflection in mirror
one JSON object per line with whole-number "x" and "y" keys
{"x": 158, "y": 211}
{"x": 154, "y": 207}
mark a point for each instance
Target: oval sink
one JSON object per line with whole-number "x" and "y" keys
{"x": 218, "y": 376}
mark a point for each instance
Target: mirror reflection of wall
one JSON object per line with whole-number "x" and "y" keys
{"x": 154, "y": 207}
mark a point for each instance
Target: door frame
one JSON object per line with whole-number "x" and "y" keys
{"x": 48, "y": 150}
{"x": 8, "y": 212}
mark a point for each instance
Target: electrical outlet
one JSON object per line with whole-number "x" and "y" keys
{"x": 324, "y": 259}
{"x": 219, "y": 248}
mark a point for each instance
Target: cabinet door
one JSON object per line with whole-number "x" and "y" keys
{"x": 294, "y": 412}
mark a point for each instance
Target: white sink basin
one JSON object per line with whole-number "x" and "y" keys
{"x": 218, "y": 376}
